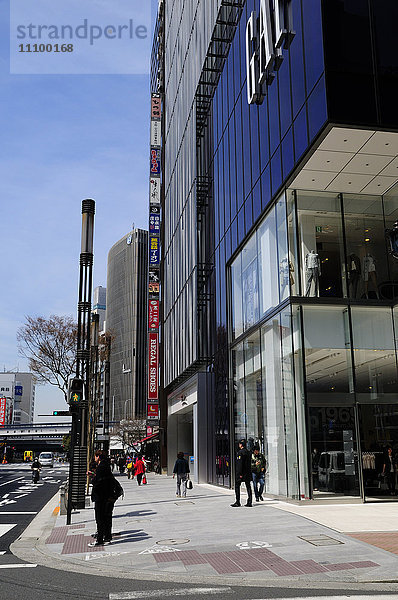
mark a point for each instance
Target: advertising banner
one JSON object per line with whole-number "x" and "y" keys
{"x": 154, "y": 276}
{"x": 18, "y": 390}
{"x": 154, "y": 222}
{"x": 152, "y": 411}
{"x": 3, "y": 405}
{"x": 155, "y": 161}
{"x": 155, "y": 133}
{"x": 154, "y": 190}
{"x": 156, "y": 107}
{"x": 153, "y": 314}
{"x": 154, "y": 251}
{"x": 153, "y": 289}
{"x": 153, "y": 366}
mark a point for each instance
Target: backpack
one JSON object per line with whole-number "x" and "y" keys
{"x": 117, "y": 489}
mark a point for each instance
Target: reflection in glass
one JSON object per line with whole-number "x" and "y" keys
{"x": 268, "y": 263}
{"x": 286, "y": 277}
{"x": 374, "y": 354}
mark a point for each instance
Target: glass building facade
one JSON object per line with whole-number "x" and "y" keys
{"x": 280, "y": 290}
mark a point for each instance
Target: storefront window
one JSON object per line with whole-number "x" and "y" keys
{"x": 251, "y": 314}
{"x": 238, "y": 369}
{"x": 273, "y": 407}
{"x": 268, "y": 263}
{"x": 285, "y": 266}
{"x": 236, "y": 300}
{"x": 367, "y": 267}
{"x": 374, "y": 354}
{"x": 321, "y": 245}
{"x": 390, "y": 204}
{"x": 254, "y": 399}
{"x": 292, "y": 229}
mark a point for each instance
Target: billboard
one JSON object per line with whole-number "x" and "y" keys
{"x": 153, "y": 314}
{"x": 154, "y": 222}
{"x": 154, "y": 190}
{"x": 156, "y": 107}
{"x": 155, "y": 133}
{"x": 3, "y": 406}
{"x": 155, "y": 161}
{"x": 18, "y": 390}
{"x": 152, "y": 411}
{"x": 153, "y": 366}
{"x": 154, "y": 251}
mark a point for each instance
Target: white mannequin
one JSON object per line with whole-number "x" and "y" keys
{"x": 369, "y": 272}
{"x": 312, "y": 272}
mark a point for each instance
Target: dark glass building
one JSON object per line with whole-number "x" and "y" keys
{"x": 280, "y": 153}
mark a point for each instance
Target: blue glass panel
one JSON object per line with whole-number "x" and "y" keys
{"x": 254, "y": 139}
{"x": 236, "y": 49}
{"x": 234, "y": 235}
{"x": 246, "y": 146}
{"x": 285, "y": 105}
{"x": 223, "y": 294}
{"x": 216, "y": 202}
{"x": 317, "y": 108}
{"x": 239, "y": 155}
{"x": 276, "y": 171}
{"x": 300, "y": 133}
{"x": 248, "y": 213}
{"x": 265, "y": 188}
{"x": 228, "y": 245}
{"x": 264, "y": 137}
{"x": 225, "y": 98}
{"x": 273, "y": 119}
{"x": 297, "y": 60}
{"x": 232, "y": 166}
{"x": 218, "y": 307}
{"x": 313, "y": 42}
{"x": 219, "y": 115}
{"x": 221, "y": 185}
{"x": 227, "y": 196}
{"x": 231, "y": 82}
{"x": 256, "y": 201}
{"x": 287, "y": 154}
{"x": 241, "y": 225}
{"x": 242, "y": 35}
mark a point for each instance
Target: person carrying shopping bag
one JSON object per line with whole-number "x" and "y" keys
{"x": 139, "y": 469}
{"x": 181, "y": 469}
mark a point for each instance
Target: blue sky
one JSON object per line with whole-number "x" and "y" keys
{"x": 63, "y": 138}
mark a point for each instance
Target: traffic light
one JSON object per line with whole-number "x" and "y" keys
{"x": 61, "y": 413}
{"x": 76, "y": 392}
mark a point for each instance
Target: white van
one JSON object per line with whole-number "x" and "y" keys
{"x": 46, "y": 459}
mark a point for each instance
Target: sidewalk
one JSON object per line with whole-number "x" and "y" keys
{"x": 202, "y": 539}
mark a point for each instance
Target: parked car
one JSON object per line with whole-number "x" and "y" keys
{"x": 331, "y": 471}
{"x": 46, "y": 459}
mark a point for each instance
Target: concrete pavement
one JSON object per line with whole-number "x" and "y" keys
{"x": 202, "y": 539}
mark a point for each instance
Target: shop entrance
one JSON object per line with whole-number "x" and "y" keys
{"x": 334, "y": 454}
{"x": 379, "y": 432}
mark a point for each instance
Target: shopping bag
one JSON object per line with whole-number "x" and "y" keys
{"x": 144, "y": 480}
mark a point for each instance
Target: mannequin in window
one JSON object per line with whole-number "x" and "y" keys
{"x": 354, "y": 272}
{"x": 369, "y": 273}
{"x": 286, "y": 272}
{"x": 312, "y": 272}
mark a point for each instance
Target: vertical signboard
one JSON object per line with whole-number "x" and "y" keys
{"x": 154, "y": 283}
{"x": 3, "y": 407}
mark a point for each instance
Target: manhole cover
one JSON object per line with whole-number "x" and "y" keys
{"x": 173, "y": 542}
{"x": 320, "y": 540}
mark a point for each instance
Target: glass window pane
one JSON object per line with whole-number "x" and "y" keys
{"x": 254, "y": 401}
{"x": 285, "y": 268}
{"x": 268, "y": 263}
{"x": 251, "y": 313}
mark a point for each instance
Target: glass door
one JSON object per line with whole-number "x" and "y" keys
{"x": 379, "y": 451}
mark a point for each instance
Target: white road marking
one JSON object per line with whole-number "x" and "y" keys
{"x": 5, "y": 502}
{"x": 340, "y": 597}
{"x": 167, "y": 593}
{"x": 21, "y": 496}
{"x": 159, "y": 550}
{"x": 6, "y": 495}
{"x": 9, "y": 512}
{"x": 11, "y": 481}
{"x": 2, "y": 552}
{"x": 17, "y": 566}
{"x": 5, "y": 528}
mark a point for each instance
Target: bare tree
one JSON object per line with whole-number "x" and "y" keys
{"x": 130, "y": 431}
{"x": 50, "y": 347}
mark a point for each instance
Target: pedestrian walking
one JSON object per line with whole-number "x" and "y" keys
{"x": 243, "y": 474}
{"x": 112, "y": 463}
{"x": 121, "y": 463}
{"x": 139, "y": 469}
{"x": 103, "y": 495}
{"x": 181, "y": 469}
{"x": 258, "y": 466}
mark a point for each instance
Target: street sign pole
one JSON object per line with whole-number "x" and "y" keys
{"x": 79, "y": 392}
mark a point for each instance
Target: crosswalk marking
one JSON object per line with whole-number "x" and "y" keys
{"x": 19, "y": 566}
{"x": 11, "y": 481}
{"x": 5, "y": 528}
{"x": 168, "y": 593}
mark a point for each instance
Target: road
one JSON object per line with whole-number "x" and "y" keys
{"x": 20, "y": 501}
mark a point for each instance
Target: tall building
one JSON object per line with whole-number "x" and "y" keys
{"x": 126, "y": 310}
{"x": 99, "y": 305}
{"x": 18, "y": 390}
{"x": 280, "y": 164}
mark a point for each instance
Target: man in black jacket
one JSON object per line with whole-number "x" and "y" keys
{"x": 243, "y": 473}
{"x": 103, "y": 495}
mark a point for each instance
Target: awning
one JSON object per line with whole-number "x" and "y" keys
{"x": 145, "y": 439}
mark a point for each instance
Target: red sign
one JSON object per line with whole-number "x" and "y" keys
{"x": 3, "y": 405}
{"x": 149, "y": 430}
{"x": 156, "y": 108}
{"x": 153, "y": 366}
{"x": 153, "y": 314}
{"x": 152, "y": 411}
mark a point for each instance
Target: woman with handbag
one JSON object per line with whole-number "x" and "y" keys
{"x": 139, "y": 469}
{"x": 181, "y": 469}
